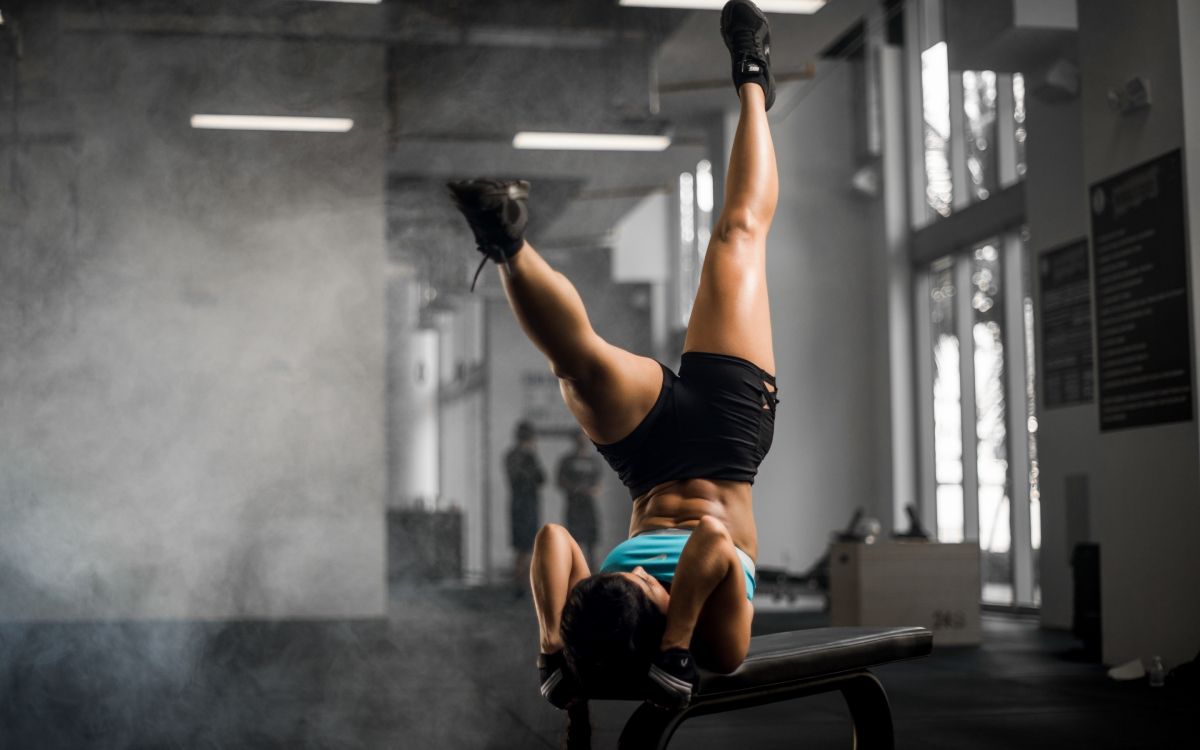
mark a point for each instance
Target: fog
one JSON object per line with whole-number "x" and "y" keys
{"x": 253, "y": 420}
{"x": 200, "y": 430}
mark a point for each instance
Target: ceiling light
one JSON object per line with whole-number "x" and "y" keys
{"x": 262, "y": 122}
{"x": 591, "y": 141}
{"x": 768, "y": 6}
{"x": 360, "y": 2}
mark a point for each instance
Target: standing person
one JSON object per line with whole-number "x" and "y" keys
{"x": 687, "y": 445}
{"x": 525, "y": 478}
{"x": 579, "y": 479}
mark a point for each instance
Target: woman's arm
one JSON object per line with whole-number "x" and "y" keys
{"x": 558, "y": 564}
{"x": 709, "y": 613}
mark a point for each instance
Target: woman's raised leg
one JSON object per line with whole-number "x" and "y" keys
{"x": 731, "y": 314}
{"x": 608, "y": 389}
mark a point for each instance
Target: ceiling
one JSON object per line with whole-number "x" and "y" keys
{"x": 465, "y": 75}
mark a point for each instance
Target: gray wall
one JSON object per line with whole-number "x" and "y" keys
{"x": 826, "y": 262}
{"x": 1189, "y": 54}
{"x": 1056, "y": 213}
{"x": 1144, "y": 482}
{"x": 191, "y": 334}
{"x": 1147, "y": 480}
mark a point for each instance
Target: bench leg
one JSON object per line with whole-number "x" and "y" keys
{"x": 870, "y": 711}
{"x": 649, "y": 728}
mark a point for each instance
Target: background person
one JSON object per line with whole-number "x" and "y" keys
{"x": 579, "y": 477}
{"x": 525, "y": 479}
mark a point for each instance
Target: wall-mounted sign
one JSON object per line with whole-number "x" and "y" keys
{"x": 541, "y": 401}
{"x": 1066, "y": 326}
{"x": 1143, "y": 332}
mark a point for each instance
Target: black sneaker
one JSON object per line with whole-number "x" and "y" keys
{"x": 672, "y": 679}
{"x": 557, "y": 683}
{"x": 748, "y": 37}
{"x": 497, "y": 214}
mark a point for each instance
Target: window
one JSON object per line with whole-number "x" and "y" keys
{"x": 971, "y": 124}
{"x": 935, "y": 93}
{"x": 695, "y": 229}
{"x": 991, "y": 430}
{"x": 689, "y": 269}
{"x": 979, "y": 126}
{"x": 981, "y": 394}
{"x": 947, "y": 405}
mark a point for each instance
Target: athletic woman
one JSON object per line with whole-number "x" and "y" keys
{"x": 688, "y": 446}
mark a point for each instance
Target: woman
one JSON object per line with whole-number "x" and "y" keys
{"x": 688, "y": 445}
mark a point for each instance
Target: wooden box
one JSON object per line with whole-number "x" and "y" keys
{"x": 893, "y": 583}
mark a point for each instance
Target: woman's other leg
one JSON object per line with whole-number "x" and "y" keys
{"x": 709, "y": 612}
{"x": 731, "y": 314}
{"x": 608, "y": 389}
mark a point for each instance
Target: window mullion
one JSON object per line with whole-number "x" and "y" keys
{"x": 964, "y": 316}
{"x": 1018, "y": 417}
{"x": 923, "y": 314}
{"x": 1006, "y": 145}
{"x": 959, "y": 175}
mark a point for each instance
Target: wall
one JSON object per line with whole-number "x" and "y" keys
{"x": 460, "y": 412}
{"x": 1189, "y": 54}
{"x": 412, "y": 396}
{"x": 1145, "y": 482}
{"x": 1056, "y": 214}
{"x": 191, "y": 333}
{"x": 826, "y": 261}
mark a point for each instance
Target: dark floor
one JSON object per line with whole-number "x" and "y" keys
{"x": 453, "y": 668}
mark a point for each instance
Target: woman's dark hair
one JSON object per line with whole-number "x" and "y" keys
{"x": 611, "y": 631}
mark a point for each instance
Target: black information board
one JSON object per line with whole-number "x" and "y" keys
{"x": 1066, "y": 325}
{"x": 1143, "y": 344}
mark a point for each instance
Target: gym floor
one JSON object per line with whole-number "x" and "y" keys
{"x": 453, "y": 668}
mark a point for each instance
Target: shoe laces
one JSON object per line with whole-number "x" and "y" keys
{"x": 483, "y": 262}
{"x": 744, "y": 39}
{"x": 478, "y": 271}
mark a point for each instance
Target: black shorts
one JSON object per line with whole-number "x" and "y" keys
{"x": 714, "y": 420}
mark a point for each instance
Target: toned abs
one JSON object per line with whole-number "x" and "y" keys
{"x": 682, "y": 503}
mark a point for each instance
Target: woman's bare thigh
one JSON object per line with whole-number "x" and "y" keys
{"x": 731, "y": 314}
{"x": 616, "y": 396}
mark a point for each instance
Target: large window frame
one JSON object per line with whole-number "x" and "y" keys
{"x": 951, "y": 235}
{"x": 1016, "y": 349}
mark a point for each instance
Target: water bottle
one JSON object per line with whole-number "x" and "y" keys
{"x": 1158, "y": 675}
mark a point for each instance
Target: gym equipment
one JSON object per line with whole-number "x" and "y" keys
{"x": 784, "y": 666}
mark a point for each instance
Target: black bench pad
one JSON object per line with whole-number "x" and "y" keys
{"x": 803, "y": 655}
{"x": 791, "y": 665}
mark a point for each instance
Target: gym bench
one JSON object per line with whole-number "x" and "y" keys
{"x": 790, "y": 665}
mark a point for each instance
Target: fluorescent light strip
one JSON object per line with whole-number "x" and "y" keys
{"x": 263, "y": 122}
{"x": 768, "y": 6}
{"x": 590, "y": 141}
{"x": 360, "y": 2}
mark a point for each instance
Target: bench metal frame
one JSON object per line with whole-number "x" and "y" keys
{"x": 651, "y": 728}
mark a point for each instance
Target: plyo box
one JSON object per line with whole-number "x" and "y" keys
{"x": 896, "y": 583}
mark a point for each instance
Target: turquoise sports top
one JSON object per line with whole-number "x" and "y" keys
{"x": 658, "y": 551}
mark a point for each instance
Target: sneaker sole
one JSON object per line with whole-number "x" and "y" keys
{"x": 727, "y": 11}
